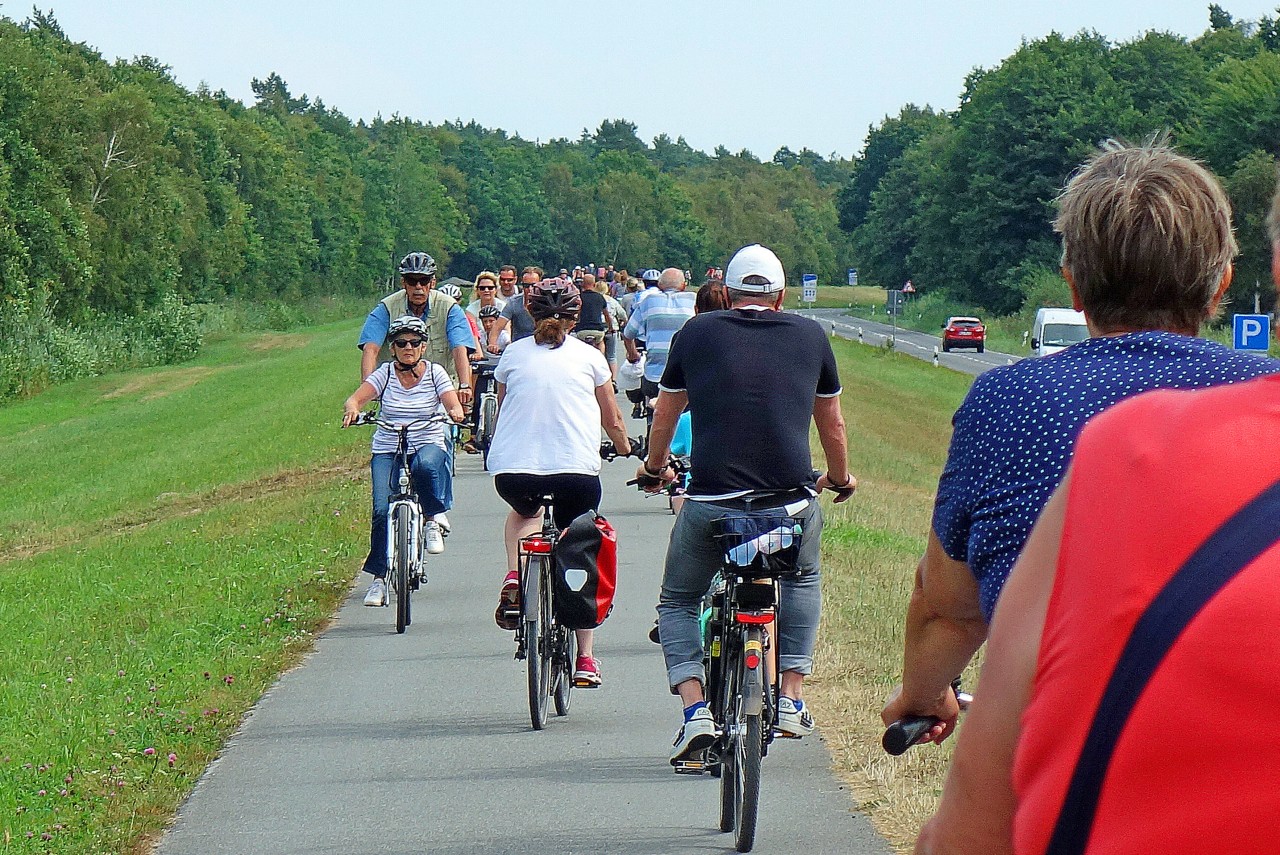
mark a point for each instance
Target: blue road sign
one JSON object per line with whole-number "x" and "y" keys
{"x": 1252, "y": 332}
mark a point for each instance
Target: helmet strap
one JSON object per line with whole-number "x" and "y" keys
{"x": 412, "y": 369}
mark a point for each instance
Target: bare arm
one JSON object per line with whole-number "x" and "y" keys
{"x": 977, "y": 808}
{"x": 462, "y": 364}
{"x": 611, "y": 418}
{"x": 361, "y": 396}
{"x": 498, "y": 326}
{"x": 368, "y": 359}
{"x": 835, "y": 444}
{"x": 944, "y": 628}
{"x": 666, "y": 412}
{"x": 453, "y": 406}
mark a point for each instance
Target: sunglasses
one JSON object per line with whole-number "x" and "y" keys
{"x": 507, "y": 281}
{"x": 408, "y": 342}
{"x": 487, "y": 287}
{"x": 418, "y": 280}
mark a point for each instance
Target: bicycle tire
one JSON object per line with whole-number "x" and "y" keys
{"x": 488, "y": 417}
{"x": 535, "y": 633}
{"x": 400, "y": 525}
{"x": 750, "y": 745}
{"x": 563, "y": 683}
{"x": 730, "y": 707}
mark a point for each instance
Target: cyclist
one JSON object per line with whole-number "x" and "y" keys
{"x": 410, "y": 388}
{"x": 554, "y": 395}
{"x": 655, "y": 318}
{"x": 507, "y": 277}
{"x": 486, "y": 293}
{"x": 1146, "y": 250}
{"x": 515, "y": 315}
{"x": 745, "y": 455}
{"x": 593, "y": 320}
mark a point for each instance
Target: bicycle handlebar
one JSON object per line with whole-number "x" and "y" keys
{"x": 906, "y": 731}
{"x": 679, "y": 464}
{"x": 609, "y": 452}
{"x": 371, "y": 418}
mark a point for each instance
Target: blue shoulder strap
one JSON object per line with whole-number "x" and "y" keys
{"x": 1253, "y": 530}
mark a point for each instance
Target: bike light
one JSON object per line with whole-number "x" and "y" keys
{"x": 753, "y": 661}
{"x": 538, "y": 546}
{"x": 756, "y": 618}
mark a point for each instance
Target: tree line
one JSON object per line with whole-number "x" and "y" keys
{"x": 960, "y": 202}
{"x": 123, "y": 194}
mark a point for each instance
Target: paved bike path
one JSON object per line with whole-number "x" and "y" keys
{"x": 387, "y": 744}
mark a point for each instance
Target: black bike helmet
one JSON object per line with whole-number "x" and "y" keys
{"x": 490, "y": 312}
{"x": 406, "y": 324}
{"x": 417, "y": 264}
{"x": 553, "y": 298}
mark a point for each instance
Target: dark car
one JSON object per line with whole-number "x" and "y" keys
{"x": 964, "y": 332}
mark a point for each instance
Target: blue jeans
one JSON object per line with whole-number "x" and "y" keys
{"x": 433, "y": 487}
{"x": 693, "y": 558}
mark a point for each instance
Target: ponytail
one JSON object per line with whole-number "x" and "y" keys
{"x": 552, "y": 331}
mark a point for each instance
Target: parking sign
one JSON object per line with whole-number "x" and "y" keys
{"x": 1252, "y": 332}
{"x": 853, "y": 276}
{"x": 810, "y": 283}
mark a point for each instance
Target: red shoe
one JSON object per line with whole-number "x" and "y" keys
{"x": 586, "y": 674}
{"x": 507, "y": 615}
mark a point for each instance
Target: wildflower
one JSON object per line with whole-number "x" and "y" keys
{"x": 148, "y": 752}
{"x": 111, "y": 732}
{"x": 173, "y": 758}
{"x": 120, "y": 673}
{"x": 62, "y": 792}
{"x": 228, "y": 679}
{"x": 42, "y": 793}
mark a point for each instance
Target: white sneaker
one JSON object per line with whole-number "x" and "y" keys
{"x": 377, "y": 594}
{"x": 698, "y": 733}
{"x": 432, "y": 538}
{"x": 793, "y": 722}
{"x": 443, "y": 521}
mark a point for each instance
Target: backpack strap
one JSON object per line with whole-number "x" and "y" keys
{"x": 1240, "y": 540}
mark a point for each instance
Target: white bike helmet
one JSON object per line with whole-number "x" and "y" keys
{"x": 450, "y": 290}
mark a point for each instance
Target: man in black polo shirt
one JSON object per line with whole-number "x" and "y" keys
{"x": 751, "y": 377}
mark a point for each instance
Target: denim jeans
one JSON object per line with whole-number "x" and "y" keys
{"x": 694, "y": 556}
{"x": 433, "y": 486}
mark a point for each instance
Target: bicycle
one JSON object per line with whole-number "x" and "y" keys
{"x": 405, "y": 547}
{"x": 548, "y": 647}
{"x": 486, "y": 409}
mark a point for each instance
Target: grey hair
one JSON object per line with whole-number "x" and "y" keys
{"x": 1146, "y": 237}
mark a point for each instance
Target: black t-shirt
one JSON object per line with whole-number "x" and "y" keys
{"x": 752, "y": 377}
{"x": 591, "y": 316}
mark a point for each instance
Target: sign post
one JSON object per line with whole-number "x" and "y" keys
{"x": 853, "y": 277}
{"x": 1252, "y": 332}
{"x": 809, "y": 282}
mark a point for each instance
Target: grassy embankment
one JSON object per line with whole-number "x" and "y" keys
{"x": 898, "y": 412}
{"x": 170, "y": 539}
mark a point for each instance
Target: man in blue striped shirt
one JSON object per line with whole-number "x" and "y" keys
{"x": 655, "y": 319}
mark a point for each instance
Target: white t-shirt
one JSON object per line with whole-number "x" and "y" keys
{"x": 549, "y": 423}
{"x": 401, "y": 405}
{"x": 474, "y": 308}
{"x": 504, "y": 339}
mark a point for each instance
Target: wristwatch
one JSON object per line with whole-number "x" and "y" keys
{"x": 651, "y": 473}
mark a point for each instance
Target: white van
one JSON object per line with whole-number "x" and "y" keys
{"x": 1057, "y": 329}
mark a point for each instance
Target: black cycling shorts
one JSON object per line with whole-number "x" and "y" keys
{"x": 572, "y": 495}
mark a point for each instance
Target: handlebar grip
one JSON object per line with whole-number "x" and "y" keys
{"x": 904, "y": 733}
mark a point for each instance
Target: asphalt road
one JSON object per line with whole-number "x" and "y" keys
{"x": 920, "y": 345}
{"x": 387, "y": 744}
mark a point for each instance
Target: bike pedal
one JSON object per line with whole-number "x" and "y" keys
{"x": 782, "y": 734}
{"x": 691, "y": 767}
{"x": 585, "y": 684}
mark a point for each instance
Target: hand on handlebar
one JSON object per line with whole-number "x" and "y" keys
{"x": 915, "y": 724}
{"x": 651, "y": 483}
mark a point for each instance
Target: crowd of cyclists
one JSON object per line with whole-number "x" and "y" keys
{"x": 1147, "y": 252}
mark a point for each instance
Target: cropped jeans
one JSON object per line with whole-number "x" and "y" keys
{"x": 433, "y": 486}
{"x": 693, "y": 558}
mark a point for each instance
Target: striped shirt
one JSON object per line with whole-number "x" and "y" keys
{"x": 656, "y": 319}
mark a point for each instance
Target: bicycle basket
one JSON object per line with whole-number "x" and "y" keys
{"x": 765, "y": 544}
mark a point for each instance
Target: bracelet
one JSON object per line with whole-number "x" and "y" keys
{"x": 651, "y": 473}
{"x": 463, "y": 386}
{"x": 847, "y": 481}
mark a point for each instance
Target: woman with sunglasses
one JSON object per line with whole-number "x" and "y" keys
{"x": 485, "y": 294}
{"x": 410, "y": 388}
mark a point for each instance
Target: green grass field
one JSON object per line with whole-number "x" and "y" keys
{"x": 171, "y": 539}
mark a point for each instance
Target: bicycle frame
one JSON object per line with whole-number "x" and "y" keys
{"x": 546, "y": 646}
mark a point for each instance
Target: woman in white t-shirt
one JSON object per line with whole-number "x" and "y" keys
{"x": 554, "y": 393}
{"x": 410, "y": 388}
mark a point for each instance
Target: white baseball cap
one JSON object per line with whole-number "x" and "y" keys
{"x": 755, "y": 260}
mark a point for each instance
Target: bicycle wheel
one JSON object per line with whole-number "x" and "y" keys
{"x": 748, "y": 748}
{"x": 566, "y": 648}
{"x": 538, "y": 645}
{"x": 730, "y": 707}
{"x": 488, "y": 416}
{"x": 400, "y": 560}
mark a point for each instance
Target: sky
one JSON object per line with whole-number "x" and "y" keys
{"x": 738, "y": 73}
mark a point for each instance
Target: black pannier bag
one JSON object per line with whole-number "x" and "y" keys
{"x": 586, "y": 572}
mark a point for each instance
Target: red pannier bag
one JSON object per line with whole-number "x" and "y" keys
{"x": 586, "y": 572}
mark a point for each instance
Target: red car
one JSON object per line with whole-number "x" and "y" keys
{"x": 964, "y": 332}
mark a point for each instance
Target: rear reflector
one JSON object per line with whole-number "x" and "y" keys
{"x": 537, "y": 546}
